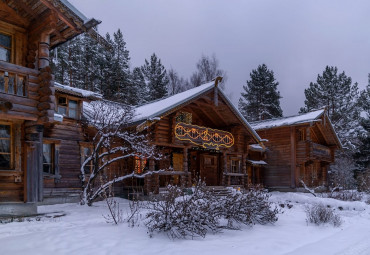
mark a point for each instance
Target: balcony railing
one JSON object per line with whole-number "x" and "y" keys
{"x": 321, "y": 151}
{"x": 14, "y": 79}
{"x": 202, "y": 136}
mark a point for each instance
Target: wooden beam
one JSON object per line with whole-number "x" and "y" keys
{"x": 21, "y": 5}
{"x": 61, "y": 15}
{"x": 293, "y": 173}
{"x": 11, "y": 16}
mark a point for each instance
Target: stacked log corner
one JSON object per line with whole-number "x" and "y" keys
{"x": 46, "y": 90}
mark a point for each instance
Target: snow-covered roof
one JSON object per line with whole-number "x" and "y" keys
{"x": 288, "y": 121}
{"x": 162, "y": 107}
{"x": 257, "y": 162}
{"x": 159, "y": 107}
{"x": 76, "y": 91}
{"x": 256, "y": 147}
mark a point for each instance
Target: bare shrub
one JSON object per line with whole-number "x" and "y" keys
{"x": 115, "y": 213}
{"x": 319, "y": 214}
{"x": 346, "y": 195}
{"x": 363, "y": 181}
{"x": 181, "y": 216}
{"x": 195, "y": 215}
{"x": 248, "y": 208}
{"x": 134, "y": 215}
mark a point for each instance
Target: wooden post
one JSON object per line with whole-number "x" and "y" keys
{"x": 34, "y": 151}
{"x": 224, "y": 180}
{"x": 244, "y": 170}
{"x": 44, "y": 50}
{"x": 293, "y": 172}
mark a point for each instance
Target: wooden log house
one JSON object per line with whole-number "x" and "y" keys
{"x": 28, "y": 30}
{"x": 201, "y": 135}
{"x": 298, "y": 148}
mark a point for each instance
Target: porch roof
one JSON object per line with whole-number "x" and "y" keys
{"x": 76, "y": 91}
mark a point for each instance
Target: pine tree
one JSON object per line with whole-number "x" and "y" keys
{"x": 362, "y": 156}
{"x": 120, "y": 69}
{"x": 139, "y": 88}
{"x": 337, "y": 93}
{"x": 155, "y": 77}
{"x": 261, "y": 99}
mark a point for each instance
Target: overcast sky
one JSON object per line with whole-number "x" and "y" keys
{"x": 296, "y": 39}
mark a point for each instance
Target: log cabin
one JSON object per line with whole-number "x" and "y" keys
{"x": 299, "y": 148}
{"x": 202, "y": 136}
{"x": 28, "y": 30}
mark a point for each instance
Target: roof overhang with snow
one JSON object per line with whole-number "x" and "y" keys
{"x": 76, "y": 92}
{"x": 310, "y": 118}
{"x": 150, "y": 113}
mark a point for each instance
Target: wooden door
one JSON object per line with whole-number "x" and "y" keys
{"x": 209, "y": 169}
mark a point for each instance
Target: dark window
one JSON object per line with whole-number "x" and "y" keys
{"x": 5, "y": 47}
{"x": 48, "y": 158}
{"x": 87, "y": 151}
{"x": 72, "y": 107}
{"x": 5, "y": 147}
{"x": 67, "y": 107}
{"x": 185, "y": 117}
{"x": 235, "y": 166}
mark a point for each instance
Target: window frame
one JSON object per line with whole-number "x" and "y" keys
{"x": 11, "y": 49}
{"x": 184, "y": 117}
{"x": 52, "y": 159}
{"x": 139, "y": 165}
{"x": 55, "y": 143}
{"x": 67, "y": 107}
{"x": 235, "y": 168}
{"x": 11, "y": 140}
{"x": 83, "y": 146}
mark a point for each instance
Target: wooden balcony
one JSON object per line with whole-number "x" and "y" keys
{"x": 202, "y": 136}
{"x": 19, "y": 86}
{"x": 320, "y": 152}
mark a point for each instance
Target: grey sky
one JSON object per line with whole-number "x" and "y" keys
{"x": 296, "y": 39}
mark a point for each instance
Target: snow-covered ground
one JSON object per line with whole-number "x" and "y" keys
{"x": 83, "y": 230}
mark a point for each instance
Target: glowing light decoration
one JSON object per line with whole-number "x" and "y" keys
{"x": 205, "y": 137}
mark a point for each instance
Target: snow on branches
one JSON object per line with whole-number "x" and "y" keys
{"x": 113, "y": 140}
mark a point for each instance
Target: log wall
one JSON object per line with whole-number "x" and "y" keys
{"x": 69, "y": 133}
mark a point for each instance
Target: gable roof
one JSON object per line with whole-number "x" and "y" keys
{"x": 76, "y": 91}
{"x": 288, "y": 121}
{"x": 163, "y": 107}
{"x": 305, "y": 118}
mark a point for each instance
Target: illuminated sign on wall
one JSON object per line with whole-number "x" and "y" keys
{"x": 203, "y": 136}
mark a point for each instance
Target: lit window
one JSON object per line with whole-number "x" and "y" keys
{"x": 140, "y": 164}
{"x": 185, "y": 117}
{"x": 5, "y": 47}
{"x": 48, "y": 158}
{"x": 5, "y": 147}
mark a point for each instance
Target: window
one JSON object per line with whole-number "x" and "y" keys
{"x": 68, "y": 107}
{"x": 5, "y": 47}
{"x": 301, "y": 135}
{"x": 72, "y": 109}
{"x": 185, "y": 117}
{"x": 178, "y": 161}
{"x": 48, "y": 162}
{"x": 86, "y": 152}
{"x": 6, "y": 157}
{"x": 235, "y": 166}
{"x": 140, "y": 164}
